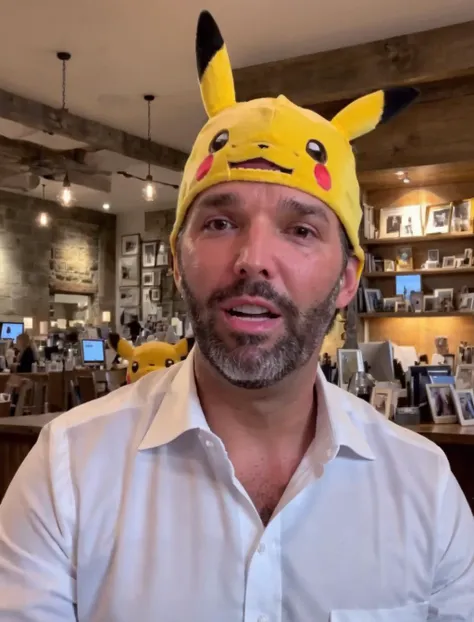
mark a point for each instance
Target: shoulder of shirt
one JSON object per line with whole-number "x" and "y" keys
{"x": 370, "y": 421}
{"x": 139, "y": 400}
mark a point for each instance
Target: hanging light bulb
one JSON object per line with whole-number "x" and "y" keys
{"x": 149, "y": 190}
{"x": 43, "y": 217}
{"x": 66, "y": 197}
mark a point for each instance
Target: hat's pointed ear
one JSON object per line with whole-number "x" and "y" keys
{"x": 364, "y": 114}
{"x": 213, "y": 64}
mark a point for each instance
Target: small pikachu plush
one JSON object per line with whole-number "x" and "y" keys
{"x": 150, "y": 356}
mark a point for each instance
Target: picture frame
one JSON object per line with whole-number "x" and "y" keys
{"x": 388, "y": 265}
{"x": 459, "y": 262}
{"x": 449, "y": 261}
{"x": 155, "y": 294}
{"x": 400, "y": 222}
{"x": 148, "y": 278}
{"x": 390, "y": 304}
{"x": 404, "y": 258}
{"x": 400, "y": 306}
{"x": 162, "y": 255}
{"x": 441, "y": 401}
{"x": 381, "y": 399}
{"x": 373, "y": 300}
{"x": 466, "y": 303}
{"x": 431, "y": 265}
{"x": 461, "y": 220}
{"x": 438, "y": 219}
{"x": 430, "y": 303}
{"x": 464, "y": 378}
{"x": 444, "y": 293}
{"x": 130, "y": 245}
{"x": 129, "y": 271}
{"x": 129, "y": 297}
{"x": 149, "y": 250}
{"x": 464, "y": 404}
{"x": 433, "y": 255}
{"x": 348, "y": 363}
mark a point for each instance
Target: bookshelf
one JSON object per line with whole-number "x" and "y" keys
{"x": 423, "y": 273}
{"x": 415, "y": 315}
{"x": 423, "y": 239}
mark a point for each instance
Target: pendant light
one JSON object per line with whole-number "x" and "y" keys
{"x": 149, "y": 189}
{"x": 43, "y": 217}
{"x": 65, "y": 196}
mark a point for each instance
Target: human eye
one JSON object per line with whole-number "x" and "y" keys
{"x": 218, "y": 224}
{"x": 302, "y": 232}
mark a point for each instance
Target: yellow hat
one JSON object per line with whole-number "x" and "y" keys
{"x": 307, "y": 151}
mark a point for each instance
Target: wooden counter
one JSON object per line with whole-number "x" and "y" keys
{"x": 457, "y": 442}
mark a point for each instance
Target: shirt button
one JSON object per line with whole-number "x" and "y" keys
{"x": 261, "y": 547}
{"x": 209, "y": 444}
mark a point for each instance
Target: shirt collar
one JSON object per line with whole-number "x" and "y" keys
{"x": 180, "y": 411}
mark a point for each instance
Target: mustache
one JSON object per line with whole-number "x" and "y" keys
{"x": 259, "y": 289}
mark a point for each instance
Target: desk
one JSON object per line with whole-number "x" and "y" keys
{"x": 457, "y": 442}
{"x": 17, "y": 437}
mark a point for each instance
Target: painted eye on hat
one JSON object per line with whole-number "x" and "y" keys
{"x": 169, "y": 362}
{"x": 219, "y": 141}
{"x": 317, "y": 151}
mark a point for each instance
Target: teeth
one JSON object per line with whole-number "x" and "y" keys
{"x": 250, "y": 309}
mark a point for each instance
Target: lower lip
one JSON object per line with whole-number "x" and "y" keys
{"x": 254, "y": 326}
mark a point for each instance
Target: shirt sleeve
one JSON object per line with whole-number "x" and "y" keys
{"x": 37, "y": 575}
{"x": 453, "y": 586}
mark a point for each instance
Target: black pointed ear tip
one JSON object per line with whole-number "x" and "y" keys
{"x": 206, "y": 22}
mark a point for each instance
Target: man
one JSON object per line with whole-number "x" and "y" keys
{"x": 240, "y": 485}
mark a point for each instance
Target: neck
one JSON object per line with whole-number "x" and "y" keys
{"x": 283, "y": 414}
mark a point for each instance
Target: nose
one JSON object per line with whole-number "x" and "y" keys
{"x": 255, "y": 255}
{"x": 263, "y": 146}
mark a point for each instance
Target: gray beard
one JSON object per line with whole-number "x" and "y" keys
{"x": 246, "y": 365}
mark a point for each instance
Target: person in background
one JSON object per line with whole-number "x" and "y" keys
{"x": 135, "y": 328}
{"x": 26, "y": 354}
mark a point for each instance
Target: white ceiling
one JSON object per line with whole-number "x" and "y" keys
{"x": 122, "y": 49}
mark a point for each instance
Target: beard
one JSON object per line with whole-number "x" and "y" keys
{"x": 249, "y": 364}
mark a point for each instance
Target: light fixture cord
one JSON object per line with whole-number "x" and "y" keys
{"x": 149, "y": 137}
{"x": 44, "y": 186}
{"x": 64, "y": 86}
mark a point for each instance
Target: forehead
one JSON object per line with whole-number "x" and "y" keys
{"x": 258, "y": 197}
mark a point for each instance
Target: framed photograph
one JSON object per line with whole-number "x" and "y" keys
{"x": 129, "y": 271}
{"x": 459, "y": 262}
{"x": 440, "y": 399}
{"x": 149, "y": 254}
{"x": 438, "y": 218}
{"x": 130, "y": 245}
{"x": 461, "y": 221}
{"x": 430, "y": 303}
{"x": 464, "y": 404}
{"x": 162, "y": 257}
{"x": 466, "y": 302}
{"x": 348, "y": 363}
{"x": 443, "y": 294}
{"x": 399, "y": 222}
{"x": 373, "y": 300}
{"x": 430, "y": 265}
{"x": 155, "y": 294}
{"x": 464, "y": 377}
{"x": 404, "y": 259}
{"x": 433, "y": 255}
{"x": 129, "y": 296}
{"x": 381, "y": 400}
{"x": 390, "y": 304}
{"x": 148, "y": 278}
{"x": 449, "y": 262}
{"x": 388, "y": 265}
{"x": 468, "y": 256}
{"x": 400, "y": 305}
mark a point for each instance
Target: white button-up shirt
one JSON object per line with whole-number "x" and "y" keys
{"x": 127, "y": 509}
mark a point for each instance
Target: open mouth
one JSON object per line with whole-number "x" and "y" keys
{"x": 261, "y": 164}
{"x": 252, "y": 312}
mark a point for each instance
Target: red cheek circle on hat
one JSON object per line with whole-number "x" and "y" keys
{"x": 204, "y": 167}
{"x": 322, "y": 176}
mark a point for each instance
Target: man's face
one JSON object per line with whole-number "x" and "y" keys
{"x": 260, "y": 267}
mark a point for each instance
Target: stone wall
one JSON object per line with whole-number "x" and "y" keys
{"x": 75, "y": 254}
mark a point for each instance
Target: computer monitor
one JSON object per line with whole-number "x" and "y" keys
{"x": 93, "y": 351}
{"x": 11, "y": 330}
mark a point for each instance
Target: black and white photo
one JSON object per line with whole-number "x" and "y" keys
{"x": 129, "y": 271}
{"x": 129, "y": 296}
{"x": 461, "y": 221}
{"x": 148, "y": 278}
{"x": 162, "y": 258}
{"x": 441, "y": 403}
{"x": 130, "y": 245}
{"x": 149, "y": 254}
{"x": 438, "y": 219}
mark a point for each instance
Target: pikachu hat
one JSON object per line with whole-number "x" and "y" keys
{"x": 305, "y": 150}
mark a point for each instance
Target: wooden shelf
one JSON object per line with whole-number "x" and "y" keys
{"x": 412, "y": 314}
{"x": 414, "y": 239}
{"x": 434, "y": 272}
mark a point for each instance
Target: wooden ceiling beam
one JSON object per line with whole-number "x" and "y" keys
{"x": 44, "y": 118}
{"x": 346, "y": 73}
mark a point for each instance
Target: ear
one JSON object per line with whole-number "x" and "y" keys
{"x": 124, "y": 349}
{"x": 213, "y": 64}
{"x": 364, "y": 114}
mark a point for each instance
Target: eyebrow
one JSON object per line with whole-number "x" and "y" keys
{"x": 304, "y": 209}
{"x": 218, "y": 199}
